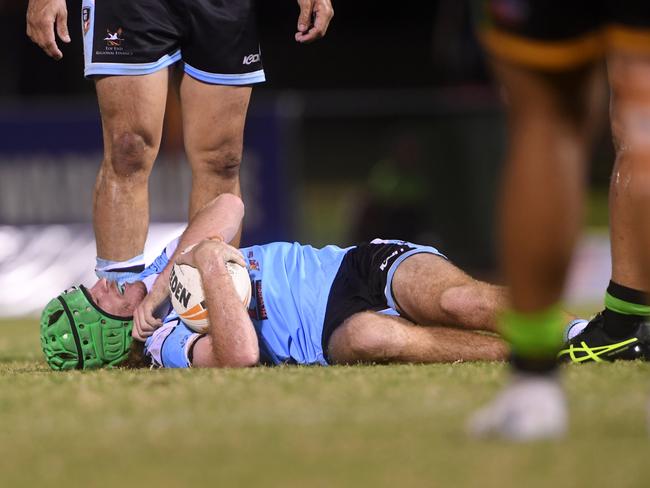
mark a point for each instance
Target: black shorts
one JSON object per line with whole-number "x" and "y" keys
{"x": 555, "y": 34}
{"x": 364, "y": 282}
{"x": 216, "y": 39}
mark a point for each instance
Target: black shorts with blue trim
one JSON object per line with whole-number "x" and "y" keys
{"x": 560, "y": 35}
{"x": 364, "y": 282}
{"x": 216, "y": 39}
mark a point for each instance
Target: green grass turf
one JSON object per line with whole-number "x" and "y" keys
{"x": 293, "y": 426}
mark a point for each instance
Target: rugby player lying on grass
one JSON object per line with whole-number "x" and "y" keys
{"x": 386, "y": 301}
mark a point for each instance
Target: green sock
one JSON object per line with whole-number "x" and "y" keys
{"x": 534, "y": 335}
{"x": 627, "y": 308}
{"x": 624, "y": 308}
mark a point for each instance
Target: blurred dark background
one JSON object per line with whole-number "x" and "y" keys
{"x": 388, "y": 127}
{"x": 417, "y": 45}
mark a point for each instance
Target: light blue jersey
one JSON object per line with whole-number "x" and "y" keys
{"x": 290, "y": 288}
{"x": 291, "y": 285}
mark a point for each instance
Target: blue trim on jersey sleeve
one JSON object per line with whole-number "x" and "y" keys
{"x": 159, "y": 263}
{"x": 133, "y": 69}
{"x": 154, "y": 268}
{"x": 388, "y": 291}
{"x": 173, "y": 354}
{"x": 226, "y": 79}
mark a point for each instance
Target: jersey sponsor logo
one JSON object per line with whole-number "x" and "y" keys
{"x": 85, "y": 19}
{"x": 179, "y": 291}
{"x": 383, "y": 265}
{"x": 258, "y": 311}
{"x": 251, "y": 58}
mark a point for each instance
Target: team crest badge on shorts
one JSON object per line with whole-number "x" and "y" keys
{"x": 110, "y": 43}
{"x": 85, "y": 19}
{"x": 114, "y": 39}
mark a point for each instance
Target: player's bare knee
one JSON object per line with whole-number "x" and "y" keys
{"x": 631, "y": 129}
{"x": 632, "y": 142}
{"x": 455, "y": 301}
{"x": 630, "y": 107}
{"x": 129, "y": 154}
{"x": 364, "y": 341}
{"x": 224, "y": 163}
{"x": 365, "y": 345}
{"x": 464, "y": 305}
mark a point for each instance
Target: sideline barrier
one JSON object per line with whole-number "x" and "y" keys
{"x": 39, "y": 261}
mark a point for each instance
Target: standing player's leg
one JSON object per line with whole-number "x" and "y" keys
{"x": 132, "y": 110}
{"x": 222, "y": 60}
{"x": 541, "y": 209}
{"x": 621, "y": 331}
{"x": 213, "y": 128}
{"x": 630, "y": 186}
{"x": 372, "y": 337}
{"x": 541, "y": 204}
{"x": 130, "y": 70}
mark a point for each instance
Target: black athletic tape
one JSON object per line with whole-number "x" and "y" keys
{"x": 138, "y": 268}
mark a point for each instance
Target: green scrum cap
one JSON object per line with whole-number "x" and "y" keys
{"x": 77, "y": 334}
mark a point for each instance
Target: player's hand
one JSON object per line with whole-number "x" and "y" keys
{"x": 315, "y": 17}
{"x": 210, "y": 252}
{"x": 144, "y": 321}
{"x": 43, "y": 16}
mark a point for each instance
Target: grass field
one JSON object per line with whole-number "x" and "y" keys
{"x": 344, "y": 426}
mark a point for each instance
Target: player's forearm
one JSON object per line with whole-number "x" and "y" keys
{"x": 160, "y": 290}
{"x": 234, "y": 341}
{"x": 221, "y": 217}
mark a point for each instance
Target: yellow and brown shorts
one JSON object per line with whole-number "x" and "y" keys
{"x": 562, "y": 34}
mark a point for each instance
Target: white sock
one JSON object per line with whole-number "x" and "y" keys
{"x": 574, "y": 328}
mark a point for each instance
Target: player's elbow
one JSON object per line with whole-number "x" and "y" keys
{"x": 249, "y": 359}
{"x": 244, "y": 359}
{"x": 236, "y": 204}
{"x": 457, "y": 302}
{"x": 232, "y": 203}
{"x": 360, "y": 340}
